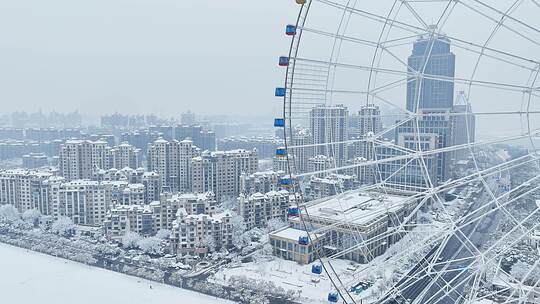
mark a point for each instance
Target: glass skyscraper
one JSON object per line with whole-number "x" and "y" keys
{"x": 431, "y": 71}
{"x": 430, "y": 92}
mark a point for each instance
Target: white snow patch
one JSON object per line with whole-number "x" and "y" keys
{"x": 31, "y": 277}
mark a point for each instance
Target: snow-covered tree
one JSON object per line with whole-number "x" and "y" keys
{"x": 31, "y": 216}
{"x": 9, "y": 213}
{"x": 275, "y": 224}
{"x": 151, "y": 245}
{"x": 209, "y": 242}
{"x": 163, "y": 234}
{"x": 239, "y": 238}
{"x": 267, "y": 249}
{"x": 228, "y": 204}
{"x": 131, "y": 240}
{"x": 523, "y": 271}
{"x": 63, "y": 226}
{"x": 520, "y": 270}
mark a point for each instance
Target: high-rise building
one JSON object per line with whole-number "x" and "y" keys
{"x": 79, "y": 159}
{"x": 430, "y": 93}
{"x": 152, "y": 186}
{"x": 430, "y": 123}
{"x": 203, "y": 139}
{"x": 301, "y": 139}
{"x": 409, "y": 175}
{"x": 320, "y": 163}
{"x": 165, "y": 131}
{"x": 125, "y": 155}
{"x": 139, "y": 138}
{"x": 463, "y": 126}
{"x": 35, "y": 160}
{"x": 85, "y": 202}
{"x": 25, "y": 190}
{"x": 220, "y": 171}
{"x": 172, "y": 161}
{"x": 328, "y": 125}
{"x": 431, "y": 74}
{"x": 369, "y": 120}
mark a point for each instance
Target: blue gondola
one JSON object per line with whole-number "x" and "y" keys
{"x": 281, "y": 152}
{"x": 280, "y": 92}
{"x": 290, "y": 30}
{"x": 285, "y": 182}
{"x": 293, "y": 211}
{"x": 316, "y": 269}
{"x": 333, "y": 297}
{"x": 283, "y": 61}
{"x": 279, "y": 122}
{"x": 303, "y": 240}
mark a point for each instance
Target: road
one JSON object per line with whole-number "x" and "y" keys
{"x": 442, "y": 275}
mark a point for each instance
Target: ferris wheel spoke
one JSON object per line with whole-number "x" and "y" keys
{"x": 500, "y": 22}
{"x": 408, "y": 76}
{"x": 505, "y": 15}
{"x": 430, "y": 194}
{"x": 420, "y": 154}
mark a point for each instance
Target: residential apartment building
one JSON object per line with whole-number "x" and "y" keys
{"x": 261, "y": 182}
{"x": 123, "y": 219}
{"x": 172, "y": 161}
{"x": 329, "y": 124}
{"x": 134, "y": 194}
{"x": 220, "y": 171}
{"x": 26, "y": 189}
{"x": 79, "y": 159}
{"x": 198, "y": 234}
{"x": 257, "y": 209}
{"x": 125, "y": 155}
{"x": 85, "y": 202}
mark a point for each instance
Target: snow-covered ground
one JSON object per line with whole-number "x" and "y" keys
{"x": 381, "y": 271}
{"x": 288, "y": 275}
{"x": 31, "y": 277}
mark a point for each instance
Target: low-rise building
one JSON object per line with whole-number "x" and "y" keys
{"x": 168, "y": 206}
{"x": 123, "y": 219}
{"x": 358, "y": 226}
{"x": 295, "y": 244}
{"x": 134, "y": 194}
{"x": 330, "y": 185}
{"x": 260, "y": 182}
{"x": 198, "y": 234}
{"x": 257, "y": 209}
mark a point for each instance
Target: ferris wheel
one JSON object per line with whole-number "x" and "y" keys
{"x": 410, "y": 137}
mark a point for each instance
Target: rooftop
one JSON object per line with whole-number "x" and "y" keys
{"x": 356, "y": 207}
{"x": 293, "y": 234}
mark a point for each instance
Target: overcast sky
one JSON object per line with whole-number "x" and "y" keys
{"x": 215, "y": 57}
{"x": 140, "y": 56}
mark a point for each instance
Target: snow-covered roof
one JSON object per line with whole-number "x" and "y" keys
{"x": 293, "y": 234}
{"x": 356, "y": 207}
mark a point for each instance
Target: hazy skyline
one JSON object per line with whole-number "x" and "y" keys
{"x": 213, "y": 58}
{"x": 134, "y": 57}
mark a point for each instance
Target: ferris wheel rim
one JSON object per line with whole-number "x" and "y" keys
{"x": 291, "y": 164}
